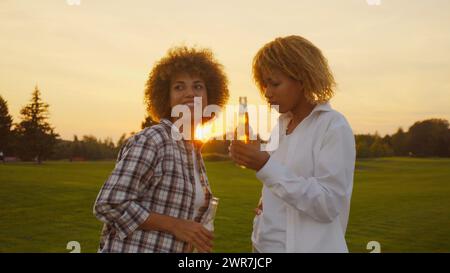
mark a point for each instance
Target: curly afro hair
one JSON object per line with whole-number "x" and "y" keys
{"x": 195, "y": 62}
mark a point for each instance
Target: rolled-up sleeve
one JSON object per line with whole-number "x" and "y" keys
{"x": 323, "y": 195}
{"x": 118, "y": 203}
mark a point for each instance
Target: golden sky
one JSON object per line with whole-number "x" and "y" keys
{"x": 91, "y": 61}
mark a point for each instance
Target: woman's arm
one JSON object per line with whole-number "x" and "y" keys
{"x": 322, "y": 196}
{"x": 117, "y": 203}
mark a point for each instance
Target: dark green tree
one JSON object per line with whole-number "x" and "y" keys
{"x": 362, "y": 149}
{"x": 75, "y": 149}
{"x": 429, "y": 138}
{"x": 379, "y": 148}
{"x": 5, "y": 127}
{"x": 400, "y": 143}
{"x": 36, "y": 137}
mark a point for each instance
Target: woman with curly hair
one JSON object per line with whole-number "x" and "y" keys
{"x": 308, "y": 180}
{"x": 157, "y": 196}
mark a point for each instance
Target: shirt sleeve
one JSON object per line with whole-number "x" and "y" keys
{"x": 322, "y": 196}
{"x": 118, "y": 202}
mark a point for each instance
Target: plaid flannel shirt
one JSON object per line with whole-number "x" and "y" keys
{"x": 153, "y": 173}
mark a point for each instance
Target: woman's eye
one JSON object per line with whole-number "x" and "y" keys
{"x": 178, "y": 87}
{"x": 198, "y": 87}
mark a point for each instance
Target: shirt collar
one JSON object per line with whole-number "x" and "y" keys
{"x": 177, "y": 135}
{"x": 321, "y": 107}
{"x": 174, "y": 132}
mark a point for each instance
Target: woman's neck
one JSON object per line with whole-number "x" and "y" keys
{"x": 299, "y": 113}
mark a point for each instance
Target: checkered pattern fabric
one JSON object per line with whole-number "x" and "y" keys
{"x": 153, "y": 173}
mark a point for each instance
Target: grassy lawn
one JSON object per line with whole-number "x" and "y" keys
{"x": 402, "y": 203}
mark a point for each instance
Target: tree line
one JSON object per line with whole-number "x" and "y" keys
{"x": 428, "y": 138}
{"x": 34, "y": 139}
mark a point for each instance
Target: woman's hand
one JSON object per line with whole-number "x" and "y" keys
{"x": 193, "y": 233}
{"x": 248, "y": 155}
{"x": 259, "y": 209}
{"x": 184, "y": 230}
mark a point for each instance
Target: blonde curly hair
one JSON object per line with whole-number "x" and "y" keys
{"x": 299, "y": 59}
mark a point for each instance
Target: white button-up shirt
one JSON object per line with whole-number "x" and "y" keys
{"x": 308, "y": 183}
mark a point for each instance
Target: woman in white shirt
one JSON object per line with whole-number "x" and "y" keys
{"x": 308, "y": 180}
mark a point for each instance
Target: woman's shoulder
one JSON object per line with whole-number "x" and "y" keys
{"x": 333, "y": 119}
{"x": 153, "y": 135}
{"x": 156, "y": 134}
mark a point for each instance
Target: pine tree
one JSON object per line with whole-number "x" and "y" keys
{"x": 35, "y": 134}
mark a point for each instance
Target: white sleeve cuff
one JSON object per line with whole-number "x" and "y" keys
{"x": 271, "y": 172}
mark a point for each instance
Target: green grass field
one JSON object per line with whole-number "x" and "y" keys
{"x": 402, "y": 203}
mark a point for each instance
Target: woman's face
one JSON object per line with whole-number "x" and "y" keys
{"x": 183, "y": 89}
{"x": 279, "y": 89}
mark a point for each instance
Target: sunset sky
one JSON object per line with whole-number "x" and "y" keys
{"x": 391, "y": 62}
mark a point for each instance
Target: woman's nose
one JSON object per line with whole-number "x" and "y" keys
{"x": 190, "y": 92}
{"x": 268, "y": 93}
